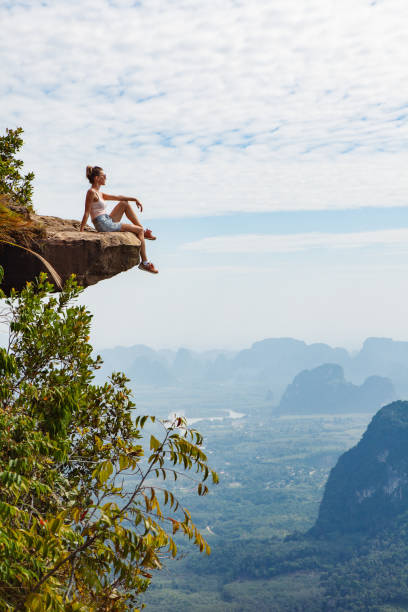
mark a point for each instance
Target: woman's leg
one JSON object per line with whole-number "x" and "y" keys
{"x": 124, "y": 207}
{"x": 138, "y": 230}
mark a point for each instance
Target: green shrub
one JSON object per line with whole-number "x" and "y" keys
{"x": 12, "y": 183}
{"x": 87, "y": 509}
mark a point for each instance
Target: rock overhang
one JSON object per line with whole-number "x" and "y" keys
{"x": 92, "y": 256}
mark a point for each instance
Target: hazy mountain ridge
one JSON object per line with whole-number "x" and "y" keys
{"x": 272, "y": 363}
{"x": 324, "y": 390}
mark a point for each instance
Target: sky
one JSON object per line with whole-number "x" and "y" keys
{"x": 267, "y": 141}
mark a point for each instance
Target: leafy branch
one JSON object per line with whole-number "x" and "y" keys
{"x": 74, "y": 536}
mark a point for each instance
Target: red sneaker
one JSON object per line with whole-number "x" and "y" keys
{"x": 148, "y": 235}
{"x": 148, "y": 267}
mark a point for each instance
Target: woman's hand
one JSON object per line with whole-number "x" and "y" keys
{"x": 139, "y": 205}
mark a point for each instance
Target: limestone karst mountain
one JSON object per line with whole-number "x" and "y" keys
{"x": 278, "y": 360}
{"x": 368, "y": 488}
{"x": 381, "y": 356}
{"x": 271, "y": 365}
{"x": 325, "y": 390}
{"x": 92, "y": 256}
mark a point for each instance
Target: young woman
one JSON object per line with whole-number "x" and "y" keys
{"x": 95, "y": 205}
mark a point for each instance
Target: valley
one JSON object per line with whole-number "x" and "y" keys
{"x": 272, "y": 475}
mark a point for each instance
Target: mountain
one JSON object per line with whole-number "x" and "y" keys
{"x": 268, "y": 364}
{"x": 271, "y": 363}
{"x": 278, "y": 360}
{"x": 163, "y": 368}
{"x": 325, "y": 390}
{"x": 381, "y": 356}
{"x": 368, "y": 488}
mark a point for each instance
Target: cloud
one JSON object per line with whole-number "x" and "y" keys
{"x": 291, "y": 243}
{"x": 203, "y": 108}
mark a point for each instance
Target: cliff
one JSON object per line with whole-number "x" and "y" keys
{"x": 92, "y": 256}
{"x": 368, "y": 487}
{"x": 325, "y": 390}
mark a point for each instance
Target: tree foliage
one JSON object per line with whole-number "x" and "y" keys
{"x": 87, "y": 506}
{"x": 12, "y": 182}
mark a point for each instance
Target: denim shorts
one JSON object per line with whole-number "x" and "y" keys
{"x": 103, "y": 223}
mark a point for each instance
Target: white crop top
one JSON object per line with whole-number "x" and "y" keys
{"x": 98, "y": 207}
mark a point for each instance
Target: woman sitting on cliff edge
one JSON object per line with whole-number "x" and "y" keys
{"x": 95, "y": 205}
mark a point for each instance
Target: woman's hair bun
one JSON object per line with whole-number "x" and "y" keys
{"x": 92, "y": 171}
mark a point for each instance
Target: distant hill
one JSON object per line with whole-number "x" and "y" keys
{"x": 324, "y": 390}
{"x": 368, "y": 488}
{"x": 276, "y": 361}
{"x": 271, "y": 363}
{"x": 381, "y": 356}
{"x": 163, "y": 368}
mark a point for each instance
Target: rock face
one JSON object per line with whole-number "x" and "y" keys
{"x": 325, "y": 390}
{"x": 91, "y": 255}
{"x": 368, "y": 488}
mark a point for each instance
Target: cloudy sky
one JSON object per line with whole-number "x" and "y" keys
{"x": 267, "y": 140}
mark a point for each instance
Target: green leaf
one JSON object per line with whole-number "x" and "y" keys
{"x": 8, "y": 364}
{"x": 123, "y": 462}
{"x": 105, "y": 470}
{"x": 154, "y": 443}
{"x": 34, "y": 602}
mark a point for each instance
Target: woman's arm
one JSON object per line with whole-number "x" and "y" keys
{"x": 119, "y": 198}
{"x": 88, "y": 201}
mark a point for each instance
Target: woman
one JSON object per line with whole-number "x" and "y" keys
{"x": 95, "y": 205}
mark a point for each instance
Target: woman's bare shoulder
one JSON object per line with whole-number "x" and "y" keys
{"x": 92, "y": 193}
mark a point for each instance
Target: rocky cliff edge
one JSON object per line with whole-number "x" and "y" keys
{"x": 91, "y": 255}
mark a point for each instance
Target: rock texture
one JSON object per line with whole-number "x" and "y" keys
{"x": 91, "y": 255}
{"x": 368, "y": 488}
